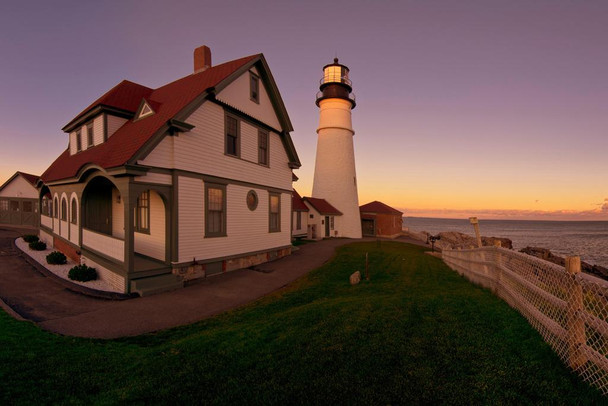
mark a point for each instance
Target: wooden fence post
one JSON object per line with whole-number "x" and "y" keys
{"x": 475, "y": 223}
{"x": 575, "y": 325}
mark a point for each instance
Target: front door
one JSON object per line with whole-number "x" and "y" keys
{"x": 367, "y": 227}
{"x": 99, "y": 211}
{"x": 326, "y": 226}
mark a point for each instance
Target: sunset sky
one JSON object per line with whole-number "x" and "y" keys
{"x": 497, "y": 109}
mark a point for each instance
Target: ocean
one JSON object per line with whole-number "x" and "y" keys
{"x": 588, "y": 239}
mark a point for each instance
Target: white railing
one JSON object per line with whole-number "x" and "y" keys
{"x": 568, "y": 308}
{"x": 46, "y": 221}
{"x": 105, "y": 244}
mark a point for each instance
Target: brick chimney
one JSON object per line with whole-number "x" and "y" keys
{"x": 202, "y": 58}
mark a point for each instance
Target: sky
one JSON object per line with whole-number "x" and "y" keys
{"x": 494, "y": 109}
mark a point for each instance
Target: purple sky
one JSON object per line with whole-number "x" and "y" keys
{"x": 490, "y": 108}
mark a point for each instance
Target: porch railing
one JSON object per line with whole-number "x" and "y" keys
{"x": 105, "y": 244}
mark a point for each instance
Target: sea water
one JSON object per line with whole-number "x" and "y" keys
{"x": 589, "y": 239}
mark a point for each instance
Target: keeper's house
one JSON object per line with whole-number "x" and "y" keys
{"x": 19, "y": 200}
{"x": 158, "y": 186}
{"x": 380, "y": 220}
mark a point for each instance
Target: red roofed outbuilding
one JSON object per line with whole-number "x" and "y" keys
{"x": 321, "y": 218}
{"x": 380, "y": 220}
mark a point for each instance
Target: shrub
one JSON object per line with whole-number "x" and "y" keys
{"x": 82, "y": 273}
{"x": 56, "y": 258}
{"x": 30, "y": 238}
{"x": 38, "y": 246}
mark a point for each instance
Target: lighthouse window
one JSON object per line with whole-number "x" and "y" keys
{"x": 254, "y": 87}
{"x": 232, "y": 136}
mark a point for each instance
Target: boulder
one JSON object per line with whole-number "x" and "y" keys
{"x": 355, "y": 278}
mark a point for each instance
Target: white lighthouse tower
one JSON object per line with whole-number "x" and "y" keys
{"x": 335, "y": 177}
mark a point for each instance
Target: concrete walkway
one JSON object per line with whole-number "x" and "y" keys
{"x": 55, "y": 308}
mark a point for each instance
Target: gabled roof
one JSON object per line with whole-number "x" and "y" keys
{"x": 378, "y": 207}
{"x": 297, "y": 204}
{"x": 32, "y": 179}
{"x": 174, "y": 101}
{"x": 322, "y": 206}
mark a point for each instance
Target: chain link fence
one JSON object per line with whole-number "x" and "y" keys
{"x": 567, "y": 307}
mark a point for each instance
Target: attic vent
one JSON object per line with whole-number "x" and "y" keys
{"x": 144, "y": 110}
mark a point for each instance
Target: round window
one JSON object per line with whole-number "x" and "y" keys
{"x": 252, "y": 200}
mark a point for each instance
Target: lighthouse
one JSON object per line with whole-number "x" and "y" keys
{"x": 335, "y": 178}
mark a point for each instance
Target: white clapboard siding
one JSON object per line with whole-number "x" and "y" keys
{"x": 190, "y": 214}
{"x": 304, "y": 219}
{"x": 237, "y": 95}
{"x": 159, "y": 178}
{"x": 74, "y": 234}
{"x": 153, "y": 244}
{"x": 64, "y": 227}
{"x": 247, "y": 231}
{"x": 112, "y": 247}
{"x": 19, "y": 187}
{"x": 46, "y": 221}
{"x": 118, "y": 215}
{"x": 202, "y": 150}
{"x": 114, "y": 123}
{"x": 72, "y": 142}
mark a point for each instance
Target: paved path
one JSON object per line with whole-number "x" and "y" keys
{"x": 57, "y": 309}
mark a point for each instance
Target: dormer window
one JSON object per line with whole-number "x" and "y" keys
{"x": 254, "y": 87}
{"x": 145, "y": 110}
{"x": 78, "y": 141}
{"x": 89, "y": 135}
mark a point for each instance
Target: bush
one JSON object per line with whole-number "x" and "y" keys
{"x": 38, "y": 246}
{"x": 56, "y": 258}
{"x": 82, "y": 273}
{"x": 30, "y": 238}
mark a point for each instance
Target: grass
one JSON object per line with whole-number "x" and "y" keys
{"x": 415, "y": 333}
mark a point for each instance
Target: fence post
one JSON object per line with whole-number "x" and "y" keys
{"x": 475, "y": 223}
{"x": 575, "y": 324}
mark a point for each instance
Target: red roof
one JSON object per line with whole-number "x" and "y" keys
{"x": 33, "y": 179}
{"x": 322, "y": 206}
{"x": 297, "y": 204}
{"x": 168, "y": 101}
{"x": 379, "y": 207}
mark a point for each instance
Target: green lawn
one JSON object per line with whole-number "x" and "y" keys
{"x": 415, "y": 333}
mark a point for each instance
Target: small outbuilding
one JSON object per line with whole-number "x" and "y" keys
{"x": 380, "y": 220}
{"x": 321, "y": 219}
{"x": 19, "y": 200}
{"x": 299, "y": 219}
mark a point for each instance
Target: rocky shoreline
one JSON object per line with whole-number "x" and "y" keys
{"x": 455, "y": 240}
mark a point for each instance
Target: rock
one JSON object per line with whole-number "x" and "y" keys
{"x": 547, "y": 255}
{"x": 453, "y": 240}
{"x": 355, "y": 278}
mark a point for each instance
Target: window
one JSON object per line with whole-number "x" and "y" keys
{"x": 215, "y": 211}
{"x": 252, "y": 200}
{"x": 298, "y": 220}
{"x": 262, "y": 147}
{"x": 254, "y": 87}
{"x": 274, "y": 218}
{"x": 47, "y": 206}
{"x": 74, "y": 217}
{"x": 331, "y": 222}
{"x": 28, "y": 207}
{"x": 3, "y": 205}
{"x": 64, "y": 210}
{"x": 142, "y": 213}
{"x": 56, "y": 208}
{"x": 232, "y": 136}
{"x": 14, "y": 205}
{"x": 78, "y": 142}
{"x": 89, "y": 135}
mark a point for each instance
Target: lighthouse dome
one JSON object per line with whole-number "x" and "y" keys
{"x": 335, "y": 83}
